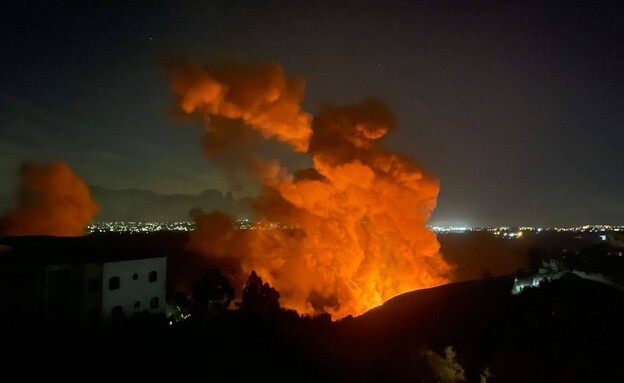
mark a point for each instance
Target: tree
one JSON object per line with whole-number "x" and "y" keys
{"x": 447, "y": 369}
{"x": 259, "y": 298}
{"x": 485, "y": 375}
{"x": 212, "y": 293}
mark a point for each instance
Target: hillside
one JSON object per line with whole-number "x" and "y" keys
{"x": 563, "y": 331}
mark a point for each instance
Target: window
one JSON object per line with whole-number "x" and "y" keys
{"x": 137, "y": 304}
{"x": 113, "y": 283}
{"x": 153, "y": 276}
{"x": 135, "y": 276}
{"x": 154, "y": 303}
{"x": 94, "y": 285}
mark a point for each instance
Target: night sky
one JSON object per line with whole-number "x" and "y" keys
{"x": 517, "y": 106}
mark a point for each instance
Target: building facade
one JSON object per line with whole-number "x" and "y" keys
{"x": 79, "y": 281}
{"x": 133, "y": 286}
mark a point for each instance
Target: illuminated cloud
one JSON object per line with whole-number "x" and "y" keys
{"x": 51, "y": 200}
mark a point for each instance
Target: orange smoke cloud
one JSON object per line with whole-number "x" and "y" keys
{"x": 353, "y": 227}
{"x": 261, "y": 96}
{"x": 51, "y": 200}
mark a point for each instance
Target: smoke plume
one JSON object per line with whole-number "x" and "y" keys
{"x": 340, "y": 237}
{"x": 51, "y": 200}
{"x": 261, "y": 96}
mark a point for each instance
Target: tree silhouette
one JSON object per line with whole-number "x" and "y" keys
{"x": 259, "y": 298}
{"x": 445, "y": 369}
{"x": 212, "y": 293}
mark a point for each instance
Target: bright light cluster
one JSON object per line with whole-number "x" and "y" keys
{"x": 449, "y": 229}
{"x": 138, "y": 227}
{"x": 516, "y": 232}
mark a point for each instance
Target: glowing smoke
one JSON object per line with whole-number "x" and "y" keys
{"x": 51, "y": 200}
{"x": 261, "y": 96}
{"x": 354, "y": 230}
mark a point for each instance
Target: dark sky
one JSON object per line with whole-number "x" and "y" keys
{"x": 517, "y": 106}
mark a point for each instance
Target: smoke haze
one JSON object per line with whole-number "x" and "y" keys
{"x": 51, "y": 200}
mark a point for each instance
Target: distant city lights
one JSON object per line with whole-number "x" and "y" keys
{"x": 147, "y": 227}
{"x": 139, "y": 227}
{"x": 517, "y": 232}
{"x": 246, "y": 224}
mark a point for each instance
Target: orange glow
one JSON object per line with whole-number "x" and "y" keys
{"x": 360, "y": 212}
{"x": 261, "y": 96}
{"x": 51, "y": 200}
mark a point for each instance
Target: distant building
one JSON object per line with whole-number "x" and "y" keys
{"x": 83, "y": 280}
{"x": 524, "y": 278}
{"x": 584, "y": 267}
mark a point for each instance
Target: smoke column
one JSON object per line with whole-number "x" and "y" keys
{"x": 352, "y": 231}
{"x": 51, "y": 200}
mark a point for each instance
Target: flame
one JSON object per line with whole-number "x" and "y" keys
{"x": 355, "y": 231}
{"x": 51, "y": 200}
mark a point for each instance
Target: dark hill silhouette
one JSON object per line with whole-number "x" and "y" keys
{"x": 568, "y": 330}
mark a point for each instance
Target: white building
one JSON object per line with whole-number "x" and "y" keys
{"x": 84, "y": 280}
{"x": 133, "y": 286}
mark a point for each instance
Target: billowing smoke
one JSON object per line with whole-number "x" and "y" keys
{"x": 351, "y": 230}
{"x": 51, "y": 200}
{"x": 261, "y": 96}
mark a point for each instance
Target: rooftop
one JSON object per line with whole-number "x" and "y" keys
{"x": 50, "y": 250}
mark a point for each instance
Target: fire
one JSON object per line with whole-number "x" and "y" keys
{"x": 51, "y": 200}
{"x": 359, "y": 212}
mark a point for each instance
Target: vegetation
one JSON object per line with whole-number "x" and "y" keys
{"x": 212, "y": 293}
{"x": 445, "y": 369}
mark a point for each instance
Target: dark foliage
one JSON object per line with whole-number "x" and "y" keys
{"x": 259, "y": 299}
{"x": 212, "y": 293}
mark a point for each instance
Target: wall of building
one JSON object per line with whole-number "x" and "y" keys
{"x": 92, "y": 294}
{"x": 64, "y": 293}
{"x": 134, "y": 286}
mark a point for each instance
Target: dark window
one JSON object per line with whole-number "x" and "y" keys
{"x": 135, "y": 276}
{"x": 153, "y": 276}
{"x": 137, "y": 304}
{"x": 154, "y": 303}
{"x": 113, "y": 283}
{"x": 94, "y": 285}
{"x": 117, "y": 313}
